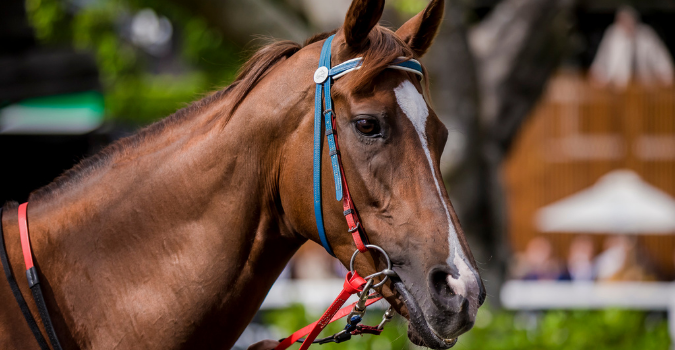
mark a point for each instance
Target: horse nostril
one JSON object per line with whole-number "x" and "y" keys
{"x": 439, "y": 282}
{"x": 442, "y": 294}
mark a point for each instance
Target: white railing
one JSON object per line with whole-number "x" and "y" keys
{"x": 542, "y": 295}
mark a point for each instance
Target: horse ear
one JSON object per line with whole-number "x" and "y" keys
{"x": 419, "y": 32}
{"x": 362, "y": 16}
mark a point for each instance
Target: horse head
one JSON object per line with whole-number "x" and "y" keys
{"x": 391, "y": 142}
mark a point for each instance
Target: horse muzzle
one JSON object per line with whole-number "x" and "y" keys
{"x": 438, "y": 317}
{"x": 419, "y": 331}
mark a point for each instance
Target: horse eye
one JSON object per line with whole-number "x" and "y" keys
{"x": 368, "y": 127}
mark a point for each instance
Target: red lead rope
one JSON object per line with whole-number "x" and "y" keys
{"x": 353, "y": 284}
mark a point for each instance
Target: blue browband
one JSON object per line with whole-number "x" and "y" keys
{"x": 323, "y": 77}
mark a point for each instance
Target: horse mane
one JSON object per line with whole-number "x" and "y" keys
{"x": 384, "y": 47}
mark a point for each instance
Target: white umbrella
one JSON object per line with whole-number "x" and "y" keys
{"x": 620, "y": 202}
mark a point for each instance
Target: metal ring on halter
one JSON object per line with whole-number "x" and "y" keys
{"x": 383, "y": 272}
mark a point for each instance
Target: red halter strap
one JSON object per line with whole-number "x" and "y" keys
{"x": 25, "y": 241}
{"x": 353, "y": 284}
{"x": 349, "y": 210}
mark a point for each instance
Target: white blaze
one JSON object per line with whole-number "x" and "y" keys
{"x": 414, "y": 106}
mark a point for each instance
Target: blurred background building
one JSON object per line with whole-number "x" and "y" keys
{"x": 560, "y": 160}
{"x": 596, "y": 158}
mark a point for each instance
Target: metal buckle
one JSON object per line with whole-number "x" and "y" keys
{"x": 386, "y": 272}
{"x": 351, "y": 230}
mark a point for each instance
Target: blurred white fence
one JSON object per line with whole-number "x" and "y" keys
{"x": 542, "y": 295}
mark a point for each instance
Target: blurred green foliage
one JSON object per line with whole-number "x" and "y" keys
{"x": 408, "y": 7}
{"x": 134, "y": 94}
{"x": 507, "y": 330}
{"x": 578, "y": 329}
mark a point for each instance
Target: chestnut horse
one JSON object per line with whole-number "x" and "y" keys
{"x": 171, "y": 238}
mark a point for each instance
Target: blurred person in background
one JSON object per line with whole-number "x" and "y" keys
{"x": 537, "y": 262}
{"x": 619, "y": 261}
{"x": 580, "y": 260}
{"x": 631, "y": 50}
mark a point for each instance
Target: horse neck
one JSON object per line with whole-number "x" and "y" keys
{"x": 187, "y": 218}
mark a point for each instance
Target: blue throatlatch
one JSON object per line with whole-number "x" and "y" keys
{"x": 322, "y": 77}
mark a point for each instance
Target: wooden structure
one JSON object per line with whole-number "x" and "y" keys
{"x": 580, "y": 132}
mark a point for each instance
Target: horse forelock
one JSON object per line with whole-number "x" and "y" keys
{"x": 383, "y": 47}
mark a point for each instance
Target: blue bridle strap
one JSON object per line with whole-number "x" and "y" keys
{"x": 324, "y": 61}
{"x": 323, "y": 78}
